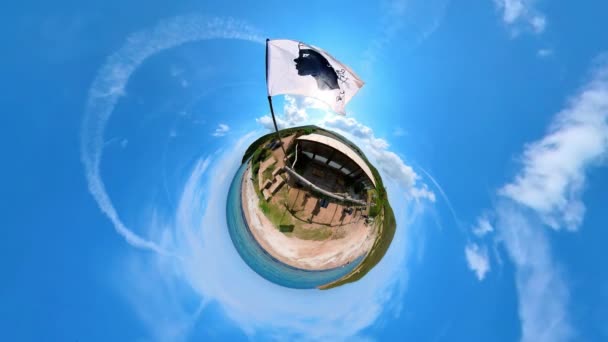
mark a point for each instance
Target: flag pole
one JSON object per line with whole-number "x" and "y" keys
{"x": 274, "y": 120}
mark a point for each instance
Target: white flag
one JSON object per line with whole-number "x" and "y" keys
{"x": 293, "y": 67}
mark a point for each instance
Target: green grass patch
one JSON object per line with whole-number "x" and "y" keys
{"x": 268, "y": 172}
{"x": 263, "y": 140}
{"x": 286, "y": 228}
{"x": 278, "y": 215}
{"x": 316, "y": 234}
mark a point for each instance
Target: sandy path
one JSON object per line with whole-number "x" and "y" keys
{"x": 303, "y": 254}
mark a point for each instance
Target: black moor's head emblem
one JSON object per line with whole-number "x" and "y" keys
{"x": 310, "y": 62}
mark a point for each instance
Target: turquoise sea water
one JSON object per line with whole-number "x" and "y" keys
{"x": 263, "y": 263}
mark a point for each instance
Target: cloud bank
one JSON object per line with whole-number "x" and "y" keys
{"x": 542, "y": 290}
{"x": 547, "y": 191}
{"x": 554, "y": 169}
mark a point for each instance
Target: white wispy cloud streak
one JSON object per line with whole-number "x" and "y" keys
{"x": 553, "y": 176}
{"x": 550, "y": 185}
{"x": 443, "y": 194}
{"x": 521, "y": 14}
{"x": 110, "y": 83}
{"x": 409, "y": 21}
{"x": 547, "y": 192}
{"x": 221, "y": 130}
{"x": 542, "y": 289}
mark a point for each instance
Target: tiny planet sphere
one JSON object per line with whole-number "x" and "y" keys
{"x": 309, "y": 210}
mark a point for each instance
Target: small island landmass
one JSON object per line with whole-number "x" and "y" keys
{"x": 313, "y": 201}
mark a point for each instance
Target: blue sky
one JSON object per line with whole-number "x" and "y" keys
{"x": 124, "y": 123}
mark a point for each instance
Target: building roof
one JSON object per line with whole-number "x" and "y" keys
{"x": 343, "y": 148}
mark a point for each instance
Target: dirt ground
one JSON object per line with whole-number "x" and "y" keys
{"x": 350, "y": 237}
{"x": 306, "y": 207}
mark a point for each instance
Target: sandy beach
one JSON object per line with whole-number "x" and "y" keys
{"x": 303, "y": 254}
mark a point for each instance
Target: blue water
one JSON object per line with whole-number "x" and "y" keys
{"x": 263, "y": 263}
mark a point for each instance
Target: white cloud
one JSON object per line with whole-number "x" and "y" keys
{"x": 110, "y": 83}
{"x": 422, "y": 192}
{"x": 547, "y": 191}
{"x": 542, "y": 290}
{"x": 553, "y": 175}
{"x": 477, "y": 259}
{"x": 294, "y": 113}
{"x": 352, "y": 126}
{"x": 221, "y": 130}
{"x": 513, "y": 9}
{"x": 483, "y": 227}
{"x": 521, "y": 14}
{"x": 266, "y": 122}
{"x": 443, "y": 194}
{"x": 409, "y": 21}
{"x": 144, "y": 280}
{"x": 538, "y": 23}
{"x": 389, "y": 162}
